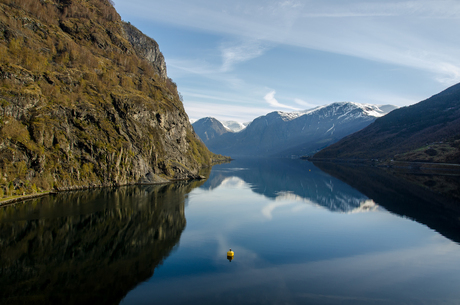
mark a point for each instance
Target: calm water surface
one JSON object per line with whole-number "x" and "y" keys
{"x": 299, "y": 235}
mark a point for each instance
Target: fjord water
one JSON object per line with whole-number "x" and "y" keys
{"x": 300, "y": 236}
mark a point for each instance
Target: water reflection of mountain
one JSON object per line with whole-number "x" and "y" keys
{"x": 430, "y": 199}
{"x": 87, "y": 246}
{"x": 275, "y": 178}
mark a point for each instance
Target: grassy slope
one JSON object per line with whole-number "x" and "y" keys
{"x": 408, "y": 129}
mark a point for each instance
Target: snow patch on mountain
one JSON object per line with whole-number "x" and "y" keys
{"x": 289, "y": 116}
{"x": 234, "y": 125}
{"x": 343, "y": 109}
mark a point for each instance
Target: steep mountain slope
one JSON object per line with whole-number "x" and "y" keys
{"x": 85, "y": 101}
{"x": 209, "y": 128}
{"x": 297, "y": 133}
{"x": 419, "y": 126}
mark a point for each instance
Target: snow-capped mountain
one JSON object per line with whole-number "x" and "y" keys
{"x": 234, "y": 125}
{"x": 404, "y": 133}
{"x": 291, "y": 134}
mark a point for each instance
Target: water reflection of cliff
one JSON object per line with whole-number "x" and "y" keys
{"x": 86, "y": 246}
{"x": 428, "y": 198}
{"x": 275, "y": 178}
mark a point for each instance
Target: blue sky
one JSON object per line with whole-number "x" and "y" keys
{"x": 240, "y": 59}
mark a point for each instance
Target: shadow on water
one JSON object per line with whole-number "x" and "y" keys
{"x": 285, "y": 177}
{"x": 428, "y": 198}
{"x": 88, "y": 246}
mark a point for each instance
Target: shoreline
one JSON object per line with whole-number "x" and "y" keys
{"x": 415, "y": 165}
{"x": 10, "y": 201}
{"x": 161, "y": 181}
{"x": 17, "y": 199}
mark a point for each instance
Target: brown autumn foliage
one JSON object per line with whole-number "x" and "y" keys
{"x": 58, "y": 56}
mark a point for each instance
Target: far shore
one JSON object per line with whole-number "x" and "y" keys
{"x": 392, "y": 163}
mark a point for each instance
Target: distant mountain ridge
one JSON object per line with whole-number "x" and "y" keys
{"x": 282, "y": 134}
{"x": 428, "y": 130}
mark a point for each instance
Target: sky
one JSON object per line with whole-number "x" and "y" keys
{"x": 240, "y": 59}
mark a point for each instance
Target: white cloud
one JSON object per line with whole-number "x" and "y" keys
{"x": 223, "y": 112}
{"x": 421, "y": 8}
{"x": 451, "y": 74}
{"x": 234, "y": 54}
{"x": 185, "y": 67}
{"x": 384, "y": 31}
{"x": 270, "y": 99}
{"x": 269, "y": 208}
{"x": 304, "y": 104}
{"x": 191, "y": 66}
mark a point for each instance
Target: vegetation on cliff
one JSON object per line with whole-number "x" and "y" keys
{"x": 85, "y": 101}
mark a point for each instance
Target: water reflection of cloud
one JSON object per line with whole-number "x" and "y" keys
{"x": 285, "y": 198}
{"x": 232, "y": 169}
{"x": 364, "y": 206}
{"x": 299, "y": 208}
{"x": 233, "y": 182}
{"x": 379, "y": 278}
{"x": 269, "y": 208}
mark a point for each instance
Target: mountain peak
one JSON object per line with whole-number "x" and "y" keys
{"x": 288, "y": 133}
{"x": 337, "y": 108}
{"x": 209, "y": 128}
{"x": 406, "y": 130}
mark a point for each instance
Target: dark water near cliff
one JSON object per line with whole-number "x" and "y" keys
{"x": 300, "y": 236}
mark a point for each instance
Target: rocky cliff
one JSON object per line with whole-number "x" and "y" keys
{"x": 146, "y": 47}
{"x": 85, "y": 101}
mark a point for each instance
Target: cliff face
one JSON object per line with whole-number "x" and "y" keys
{"x": 146, "y": 47}
{"x": 85, "y": 101}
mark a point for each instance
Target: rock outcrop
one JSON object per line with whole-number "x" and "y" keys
{"x": 85, "y": 101}
{"x": 146, "y": 47}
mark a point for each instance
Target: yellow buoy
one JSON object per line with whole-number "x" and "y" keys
{"x": 230, "y": 255}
